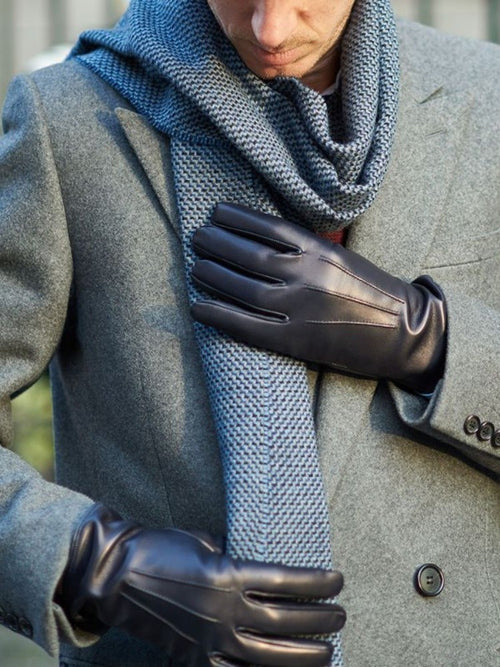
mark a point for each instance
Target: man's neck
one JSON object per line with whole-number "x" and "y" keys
{"x": 325, "y": 73}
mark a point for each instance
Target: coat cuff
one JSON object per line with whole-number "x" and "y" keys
{"x": 469, "y": 387}
{"x": 45, "y": 515}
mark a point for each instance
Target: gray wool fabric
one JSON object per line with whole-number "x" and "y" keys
{"x": 287, "y": 162}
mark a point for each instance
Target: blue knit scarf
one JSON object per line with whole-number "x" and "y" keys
{"x": 279, "y": 148}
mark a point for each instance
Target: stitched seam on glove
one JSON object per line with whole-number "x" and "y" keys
{"x": 370, "y": 324}
{"x": 148, "y": 575}
{"x": 347, "y": 297}
{"x": 165, "y": 598}
{"x": 160, "y": 618}
{"x": 362, "y": 280}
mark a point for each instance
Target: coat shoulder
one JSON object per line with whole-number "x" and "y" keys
{"x": 77, "y": 106}
{"x": 70, "y": 87}
{"x": 463, "y": 64}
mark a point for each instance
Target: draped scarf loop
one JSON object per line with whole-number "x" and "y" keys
{"x": 280, "y": 148}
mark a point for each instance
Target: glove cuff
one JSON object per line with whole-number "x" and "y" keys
{"x": 94, "y": 552}
{"x": 430, "y": 361}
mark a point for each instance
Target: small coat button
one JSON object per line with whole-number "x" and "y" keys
{"x": 25, "y": 627}
{"x": 429, "y": 580}
{"x": 472, "y": 424}
{"x": 486, "y": 431}
{"x": 495, "y": 440}
{"x": 12, "y": 623}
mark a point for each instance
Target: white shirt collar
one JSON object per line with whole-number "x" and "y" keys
{"x": 331, "y": 89}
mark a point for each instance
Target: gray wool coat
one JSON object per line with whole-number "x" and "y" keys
{"x": 92, "y": 277}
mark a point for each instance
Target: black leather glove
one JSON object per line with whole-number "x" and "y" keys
{"x": 179, "y": 591}
{"x": 281, "y": 287}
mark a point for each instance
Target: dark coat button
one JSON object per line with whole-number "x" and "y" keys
{"x": 12, "y": 623}
{"x": 429, "y": 580}
{"x": 2, "y": 615}
{"x": 495, "y": 440}
{"x": 472, "y": 424}
{"x": 25, "y": 627}
{"x": 486, "y": 431}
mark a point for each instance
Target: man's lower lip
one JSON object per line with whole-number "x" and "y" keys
{"x": 279, "y": 58}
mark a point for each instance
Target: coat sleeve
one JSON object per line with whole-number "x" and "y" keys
{"x": 468, "y": 394}
{"x": 37, "y": 518}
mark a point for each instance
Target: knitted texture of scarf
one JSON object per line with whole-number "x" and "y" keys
{"x": 279, "y": 148}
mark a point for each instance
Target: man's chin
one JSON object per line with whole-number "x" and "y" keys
{"x": 268, "y": 73}
{"x": 303, "y": 68}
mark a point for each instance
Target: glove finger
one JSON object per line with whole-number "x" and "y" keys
{"x": 298, "y": 582}
{"x": 269, "y": 229}
{"x": 232, "y": 286}
{"x": 222, "y": 661}
{"x": 252, "y": 329}
{"x": 282, "y": 652}
{"x": 244, "y": 255}
{"x": 287, "y": 618}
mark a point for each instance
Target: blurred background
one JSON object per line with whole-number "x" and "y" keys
{"x": 32, "y": 31}
{"x": 36, "y": 33}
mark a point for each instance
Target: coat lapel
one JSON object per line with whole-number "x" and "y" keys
{"x": 396, "y": 233}
{"x": 153, "y": 152}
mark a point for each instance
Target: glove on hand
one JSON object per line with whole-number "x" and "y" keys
{"x": 281, "y": 287}
{"x": 179, "y": 591}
